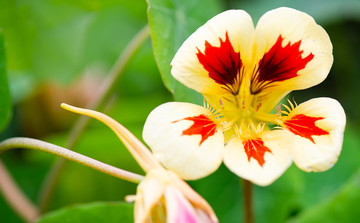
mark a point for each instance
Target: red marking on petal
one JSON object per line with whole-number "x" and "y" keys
{"x": 280, "y": 63}
{"x": 222, "y": 63}
{"x": 256, "y": 149}
{"x": 202, "y": 125}
{"x": 304, "y": 126}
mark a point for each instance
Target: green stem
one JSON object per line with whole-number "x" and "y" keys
{"x": 248, "y": 202}
{"x": 34, "y": 144}
{"x": 105, "y": 91}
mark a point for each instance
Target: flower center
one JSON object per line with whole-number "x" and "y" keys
{"x": 245, "y": 115}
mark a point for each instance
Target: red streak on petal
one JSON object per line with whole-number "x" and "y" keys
{"x": 222, "y": 63}
{"x": 304, "y": 126}
{"x": 282, "y": 63}
{"x": 202, "y": 125}
{"x": 256, "y": 149}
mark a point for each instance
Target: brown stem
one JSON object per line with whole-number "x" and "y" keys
{"x": 15, "y": 197}
{"x": 248, "y": 202}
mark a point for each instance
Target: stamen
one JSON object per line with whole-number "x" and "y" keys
{"x": 287, "y": 108}
{"x": 226, "y": 125}
{"x": 237, "y": 130}
{"x": 291, "y": 104}
{"x": 257, "y": 129}
{"x": 252, "y": 127}
{"x": 250, "y": 130}
{"x": 215, "y": 113}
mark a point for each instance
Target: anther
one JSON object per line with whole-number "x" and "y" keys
{"x": 278, "y": 110}
{"x": 258, "y": 106}
{"x": 221, "y": 103}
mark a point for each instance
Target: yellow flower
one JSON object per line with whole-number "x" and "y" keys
{"x": 243, "y": 72}
{"x": 162, "y": 196}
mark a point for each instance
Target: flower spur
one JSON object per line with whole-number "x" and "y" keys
{"x": 162, "y": 196}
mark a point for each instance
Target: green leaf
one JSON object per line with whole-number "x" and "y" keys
{"x": 171, "y": 22}
{"x": 94, "y": 212}
{"x": 58, "y": 41}
{"x": 5, "y": 102}
{"x": 323, "y": 11}
{"x": 343, "y": 207}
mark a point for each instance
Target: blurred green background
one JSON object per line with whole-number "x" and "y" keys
{"x": 59, "y": 51}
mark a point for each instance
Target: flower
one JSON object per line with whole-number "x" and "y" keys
{"x": 162, "y": 196}
{"x": 243, "y": 72}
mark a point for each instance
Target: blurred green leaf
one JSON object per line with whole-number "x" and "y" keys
{"x": 342, "y": 207}
{"x": 323, "y": 11}
{"x": 5, "y": 102}
{"x": 171, "y": 22}
{"x": 222, "y": 190}
{"x": 58, "y": 41}
{"x": 95, "y": 212}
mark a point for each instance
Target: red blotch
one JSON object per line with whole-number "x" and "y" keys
{"x": 304, "y": 126}
{"x": 281, "y": 63}
{"x": 256, "y": 149}
{"x": 202, "y": 125}
{"x": 222, "y": 63}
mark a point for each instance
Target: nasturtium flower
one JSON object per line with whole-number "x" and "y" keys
{"x": 243, "y": 73}
{"x": 162, "y": 196}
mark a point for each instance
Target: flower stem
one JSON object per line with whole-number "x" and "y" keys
{"x": 16, "y": 198}
{"x": 34, "y": 144}
{"x": 105, "y": 92}
{"x": 248, "y": 202}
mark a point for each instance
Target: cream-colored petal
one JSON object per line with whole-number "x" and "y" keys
{"x": 318, "y": 148}
{"x": 191, "y": 156}
{"x": 186, "y": 67}
{"x": 276, "y": 161}
{"x": 148, "y": 195}
{"x": 293, "y": 26}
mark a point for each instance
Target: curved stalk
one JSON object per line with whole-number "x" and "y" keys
{"x": 25, "y": 209}
{"x": 137, "y": 149}
{"x": 34, "y": 144}
{"x": 106, "y": 89}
